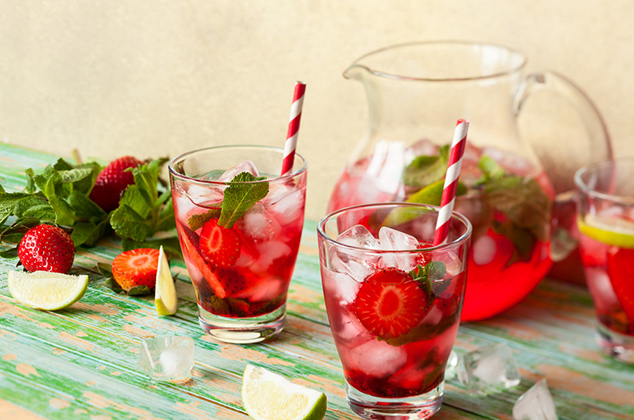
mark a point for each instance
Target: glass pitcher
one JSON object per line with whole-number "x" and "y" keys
{"x": 416, "y": 92}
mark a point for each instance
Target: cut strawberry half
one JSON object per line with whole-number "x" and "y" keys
{"x": 135, "y": 268}
{"x": 390, "y": 303}
{"x": 189, "y": 240}
{"x": 218, "y": 245}
{"x": 621, "y": 273}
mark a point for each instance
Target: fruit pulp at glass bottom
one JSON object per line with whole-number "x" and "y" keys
{"x": 415, "y": 367}
{"x": 609, "y": 279}
{"x": 257, "y": 282}
{"x": 498, "y": 278}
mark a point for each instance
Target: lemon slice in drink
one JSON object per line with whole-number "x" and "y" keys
{"x": 268, "y": 396}
{"x": 609, "y": 230}
{"x": 165, "y": 298}
{"x": 47, "y": 291}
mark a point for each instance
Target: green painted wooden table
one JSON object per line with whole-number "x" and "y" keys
{"x": 83, "y": 362}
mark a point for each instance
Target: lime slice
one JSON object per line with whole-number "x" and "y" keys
{"x": 268, "y": 396}
{"x": 165, "y": 298}
{"x": 609, "y": 230}
{"x": 47, "y": 291}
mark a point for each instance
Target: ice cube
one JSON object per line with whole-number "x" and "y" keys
{"x": 355, "y": 263}
{"x": 489, "y": 369}
{"x": 392, "y": 239}
{"x": 453, "y": 263}
{"x": 535, "y": 404}
{"x": 269, "y": 253}
{"x": 349, "y": 328}
{"x": 196, "y": 199}
{"x": 605, "y": 299}
{"x": 344, "y": 286}
{"x": 289, "y": 207}
{"x": 258, "y": 225}
{"x": 359, "y": 236}
{"x": 168, "y": 358}
{"x": 452, "y": 363}
{"x": 484, "y": 250}
{"x": 377, "y": 358}
{"x": 246, "y": 166}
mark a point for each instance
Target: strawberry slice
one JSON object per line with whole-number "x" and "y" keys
{"x": 621, "y": 272}
{"x": 189, "y": 241}
{"x": 218, "y": 245}
{"x": 136, "y": 267}
{"x": 390, "y": 303}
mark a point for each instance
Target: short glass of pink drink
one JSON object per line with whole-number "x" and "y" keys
{"x": 605, "y": 194}
{"x": 239, "y": 224}
{"x": 394, "y": 303}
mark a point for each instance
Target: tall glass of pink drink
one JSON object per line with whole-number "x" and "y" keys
{"x": 393, "y": 302}
{"x": 605, "y": 193}
{"x": 239, "y": 224}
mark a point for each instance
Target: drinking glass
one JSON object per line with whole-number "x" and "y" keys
{"x": 239, "y": 234}
{"x": 393, "y": 301}
{"x": 605, "y": 194}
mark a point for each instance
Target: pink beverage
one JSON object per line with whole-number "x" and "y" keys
{"x": 605, "y": 196}
{"x": 393, "y": 302}
{"x": 239, "y": 232}
{"x": 505, "y": 198}
{"x": 608, "y": 271}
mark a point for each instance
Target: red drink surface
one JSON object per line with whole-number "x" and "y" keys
{"x": 409, "y": 365}
{"x": 505, "y": 262}
{"x": 257, "y": 281}
{"x": 609, "y": 273}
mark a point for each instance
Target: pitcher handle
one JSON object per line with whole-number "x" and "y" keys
{"x": 600, "y": 145}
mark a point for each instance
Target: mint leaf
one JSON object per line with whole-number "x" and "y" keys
{"x": 197, "y": 221}
{"x": 240, "y": 196}
{"x": 127, "y": 223}
{"x": 84, "y": 207}
{"x": 431, "y": 278}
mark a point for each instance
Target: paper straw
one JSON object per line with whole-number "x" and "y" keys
{"x": 293, "y": 127}
{"x": 451, "y": 181}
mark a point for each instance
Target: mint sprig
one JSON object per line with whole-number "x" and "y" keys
{"x": 60, "y": 195}
{"x": 241, "y": 194}
{"x": 430, "y": 277}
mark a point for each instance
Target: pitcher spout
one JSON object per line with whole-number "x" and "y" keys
{"x": 356, "y": 72}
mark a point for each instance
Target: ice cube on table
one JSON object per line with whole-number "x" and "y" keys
{"x": 535, "y": 404}
{"x": 246, "y": 166}
{"x": 452, "y": 363}
{"x": 167, "y": 358}
{"x": 488, "y": 369}
{"x": 392, "y": 239}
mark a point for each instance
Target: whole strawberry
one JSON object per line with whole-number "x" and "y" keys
{"x": 112, "y": 181}
{"x": 136, "y": 268}
{"x": 47, "y": 248}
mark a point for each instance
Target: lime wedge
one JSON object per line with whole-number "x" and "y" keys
{"x": 165, "y": 298}
{"x": 47, "y": 291}
{"x": 268, "y": 396}
{"x": 609, "y": 230}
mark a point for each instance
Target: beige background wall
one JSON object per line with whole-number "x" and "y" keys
{"x": 156, "y": 78}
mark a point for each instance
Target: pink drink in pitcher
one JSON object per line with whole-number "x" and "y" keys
{"x": 505, "y": 198}
{"x": 393, "y": 303}
{"x": 239, "y": 232}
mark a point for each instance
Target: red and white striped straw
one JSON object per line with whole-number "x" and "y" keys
{"x": 293, "y": 127}
{"x": 451, "y": 182}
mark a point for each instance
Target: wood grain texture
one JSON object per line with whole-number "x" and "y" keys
{"x": 83, "y": 362}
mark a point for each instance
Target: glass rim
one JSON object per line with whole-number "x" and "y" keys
{"x": 278, "y": 178}
{"x": 582, "y": 186}
{"x": 454, "y": 215}
{"x": 509, "y": 70}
